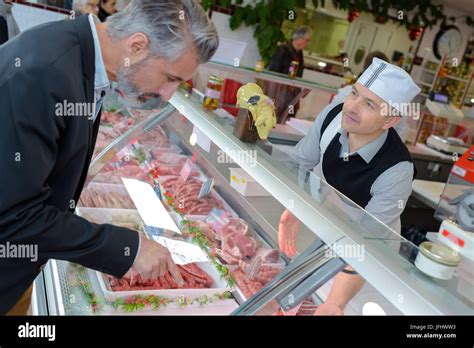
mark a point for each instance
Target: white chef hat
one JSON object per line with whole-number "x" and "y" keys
{"x": 391, "y": 83}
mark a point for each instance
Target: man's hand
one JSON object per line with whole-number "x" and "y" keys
{"x": 287, "y": 232}
{"x": 154, "y": 260}
{"x": 329, "y": 309}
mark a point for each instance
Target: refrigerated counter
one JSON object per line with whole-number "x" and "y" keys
{"x": 335, "y": 232}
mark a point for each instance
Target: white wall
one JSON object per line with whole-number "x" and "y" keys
{"x": 243, "y": 33}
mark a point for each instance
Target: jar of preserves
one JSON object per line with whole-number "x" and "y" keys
{"x": 259, "y": 65}
{"x": 293, "y": 70}
{"x": 213, "y": 92}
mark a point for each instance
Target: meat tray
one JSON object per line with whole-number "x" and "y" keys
{"x": 98, "y": 195}
{"x": 218, "y": 287}
{"x": 119, "y": 217}
{"x": 213, "y": 194}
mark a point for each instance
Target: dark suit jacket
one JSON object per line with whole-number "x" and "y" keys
{"x": 44, "y": 158}
{"x": 281, "y": 59}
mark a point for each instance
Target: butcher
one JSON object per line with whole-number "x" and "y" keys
{"x": 352, "y": 146}
{"x": 45, "y": 156}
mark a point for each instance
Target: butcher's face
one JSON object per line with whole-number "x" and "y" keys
{"x": 362, "y": 112}
{"x": 155, "y": 77}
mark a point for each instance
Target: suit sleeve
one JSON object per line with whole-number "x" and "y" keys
{"x": 29, "y": 140}
{"x": 276, "y": 62}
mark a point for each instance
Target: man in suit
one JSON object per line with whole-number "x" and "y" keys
{"x": 45, "y": 155}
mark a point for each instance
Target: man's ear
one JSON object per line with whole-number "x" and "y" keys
{"x": 391, "y": 121}
{"x": 137, "y": 46}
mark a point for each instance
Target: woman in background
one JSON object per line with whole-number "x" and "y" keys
{"x": 107, "y": 8}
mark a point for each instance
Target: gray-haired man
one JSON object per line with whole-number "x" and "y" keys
{"x": 280, "y": 62}
{"x": 148, "y": 48}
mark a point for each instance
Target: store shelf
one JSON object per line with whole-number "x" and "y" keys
{"x": 456, "y": 78}
{"x": 425, "y": 83}
{"x": 271, "y": 76}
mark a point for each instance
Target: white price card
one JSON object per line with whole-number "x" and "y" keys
{"x": 202, "y": 139}
{"x": 187, "y": 169}
{"x": 182, "y": 252}
{"x": 149, "y": 206}
{"x": 206, "y": 188}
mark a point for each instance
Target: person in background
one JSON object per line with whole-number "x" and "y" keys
{"x": 107, "y": 8}
{"x": 8, "y": 26}
{"x": 280, "y": 62}
{"x": 85, "y": 6}
{"x": 290, "y": 51}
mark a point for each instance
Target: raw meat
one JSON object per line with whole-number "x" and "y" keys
{"x": 237, "y": 244}
{"x": 247, "y": 286}
{"x": 224, "y": 256}
{"x": 307, "y": 308}
{"x": 268, "y": 255}
{"x": 94, "y": 198}
{"x": 192, "y": 274}
{"x": 155, "y": 137}
{"x": 251, "y": 285}
{"x": 185, "y": 195}
{"x": 127, "y": 171}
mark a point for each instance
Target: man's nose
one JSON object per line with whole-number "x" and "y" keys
{"x": 168, "y": 90}
{"x": 355, "y": 105}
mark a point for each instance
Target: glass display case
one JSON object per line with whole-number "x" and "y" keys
{"x": 303, "y": 95}
{"x": 169, "y": 177}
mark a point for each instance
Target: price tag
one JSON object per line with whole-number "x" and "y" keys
{"x": 202, "y": 140}
{"x": 217, "y": 218}
{"x": 187, "y": 169}
{"x": 206, "y": 188}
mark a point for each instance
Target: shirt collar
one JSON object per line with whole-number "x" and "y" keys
{"x": 101, "y": 80}
{"x": 368, "y": 151}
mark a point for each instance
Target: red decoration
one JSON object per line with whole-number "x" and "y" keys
{"x": 353, "y": 14}
{"x": 415, "y": 33}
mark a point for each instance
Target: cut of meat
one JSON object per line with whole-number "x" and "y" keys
{"x": 225, "y": 256}
{"x": 236, "y": 244}
{"x": 250, "y": 286}
{"x": 247, "y": 286}
{"x": 94, "y": 198}
{"x": 185, "y": 195}
{"x": 193, "y": 275}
